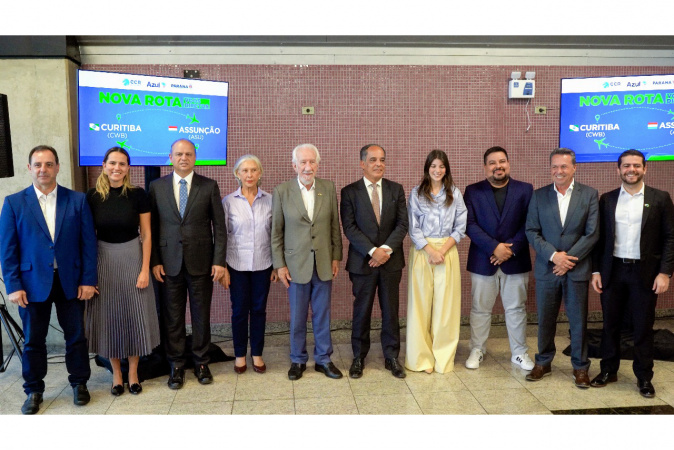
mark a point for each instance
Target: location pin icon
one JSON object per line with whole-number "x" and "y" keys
{"x": 119, "y": 117}
{"x": 597, "y": 117}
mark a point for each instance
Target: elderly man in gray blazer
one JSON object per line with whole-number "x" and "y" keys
{"x": 306, "y": 250}
{"x": 563, "y": 227}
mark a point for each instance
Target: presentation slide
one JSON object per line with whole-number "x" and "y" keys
{"x": 146, "y": 114}
{"x": 602, "y": 117}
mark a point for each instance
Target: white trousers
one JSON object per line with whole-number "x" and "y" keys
{"x": 484, "y": 291}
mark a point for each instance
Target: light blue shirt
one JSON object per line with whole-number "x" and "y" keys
{"x": 434, "y": 219}
{"x": 248, "y": 231}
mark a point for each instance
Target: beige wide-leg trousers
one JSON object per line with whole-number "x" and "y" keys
{"x": 433, "y": 310}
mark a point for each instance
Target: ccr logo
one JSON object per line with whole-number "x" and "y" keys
{"x": 610, "y": 84}
{"x": 127, "y": 82}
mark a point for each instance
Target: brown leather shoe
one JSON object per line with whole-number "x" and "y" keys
{"x": 538, "y": 372}
{"x": 581, "y": 378}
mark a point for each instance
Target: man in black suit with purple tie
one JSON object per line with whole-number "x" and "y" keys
{"x": 632, "y": 264}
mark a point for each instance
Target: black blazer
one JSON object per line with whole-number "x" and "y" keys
{"x": 657, "y": 236}
{"x": 361, "y": 229}
{"x": 199, "y": 239}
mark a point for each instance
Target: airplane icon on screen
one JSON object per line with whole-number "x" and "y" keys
{"x": 601, "y": 142}
{"x": 123, "y": 144}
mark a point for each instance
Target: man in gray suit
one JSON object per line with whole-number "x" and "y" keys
{"x": 188, "y": 255}
{"x": 563, "y": 227}
{"x": 306, "y": 250}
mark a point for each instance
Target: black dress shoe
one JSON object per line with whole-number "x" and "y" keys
{"x": 177, "y": 378}
{"x": 395, "y": 368}
{"x": 603, "y": 379}
{"x": 117, "y": 390}
{"x": 81, "y": 395}
{"x": 356, "y": 369}
{"x": 135, "y": 388}
{"x": 32, "y": 403}
{"x": 329, "y": 370}
{"x": 646, "y": 389}
{"x": 203, "y": 374}
{"x": 296, "y": 370}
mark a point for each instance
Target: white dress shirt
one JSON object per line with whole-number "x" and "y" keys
{"x": 308, "y": 197}
{"x": 176, "y": 186}
{"x": 563, "y": 203}
{"x": 628, "y": 214}
{"x": 564, "y": 200}
{"x": 48, "y": 205}
{"x": 368, "y": 186}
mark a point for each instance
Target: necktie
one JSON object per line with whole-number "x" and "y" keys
{"x": 375, "y": 202}
{"x": 183, "y": 197}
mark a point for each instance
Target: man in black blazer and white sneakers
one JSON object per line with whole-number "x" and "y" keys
{"x": 632, "y": 263}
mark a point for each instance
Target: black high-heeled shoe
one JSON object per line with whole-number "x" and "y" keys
{"x": 117, "y": 390}
{"x": 135, "y": 388}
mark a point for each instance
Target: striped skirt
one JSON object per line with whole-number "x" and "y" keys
{"x": 122, "y": 320}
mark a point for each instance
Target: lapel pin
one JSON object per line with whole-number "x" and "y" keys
{"x": 647, "y": 205}
{"x": 320, "y": 193}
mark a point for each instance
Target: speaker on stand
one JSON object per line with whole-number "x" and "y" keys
{"x": 6, "y": 163}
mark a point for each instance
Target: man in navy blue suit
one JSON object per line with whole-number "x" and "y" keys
{"x": 48, "y": 254}
{"x": 498, "y": 258}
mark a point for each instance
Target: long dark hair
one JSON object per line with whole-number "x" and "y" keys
{"x": 425, "y": 186}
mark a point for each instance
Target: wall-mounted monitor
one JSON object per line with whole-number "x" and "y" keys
{"x": 146, "y": 114}
{"x": 602, "y": 117}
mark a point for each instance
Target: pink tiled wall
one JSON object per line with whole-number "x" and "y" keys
{"x": 409, "y": 110}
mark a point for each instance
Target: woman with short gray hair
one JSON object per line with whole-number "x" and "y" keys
{"x": 249, "y": 270}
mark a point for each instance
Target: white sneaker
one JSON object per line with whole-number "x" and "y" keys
{"x": 475, "y": 358}
{"x": 523, "y": 361}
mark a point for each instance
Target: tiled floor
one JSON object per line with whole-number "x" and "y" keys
{"x": 497, "y": 387}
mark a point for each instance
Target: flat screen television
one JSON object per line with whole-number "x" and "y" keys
{"x": 602, "y": 117}
{"x": 146, "y": 114}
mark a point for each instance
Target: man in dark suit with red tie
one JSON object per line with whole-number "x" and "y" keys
{"x": 632, "y": 264}
{"x": 374, "y": 220}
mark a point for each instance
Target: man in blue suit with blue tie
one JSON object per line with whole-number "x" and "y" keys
{"x": 48, "y": 254}
{"x": 498, "y": 258}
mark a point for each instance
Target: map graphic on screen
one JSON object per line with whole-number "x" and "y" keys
{"x": 602, "y": 117}
{"x": 146, "y": 114}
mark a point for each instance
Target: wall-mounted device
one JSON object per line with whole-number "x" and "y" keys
{"x": 522, "y": 88}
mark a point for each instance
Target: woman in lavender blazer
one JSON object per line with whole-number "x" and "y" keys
{"x": 249, "y": 272}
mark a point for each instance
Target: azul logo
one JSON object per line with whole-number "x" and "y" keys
{"x": 156, "y": 85}
{"x": 114, "y": 127}
{"x": 128, "y": 82}
{"x": 632, "y": 84}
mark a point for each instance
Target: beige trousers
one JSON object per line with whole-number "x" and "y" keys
{"x": 433, "y": 310}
